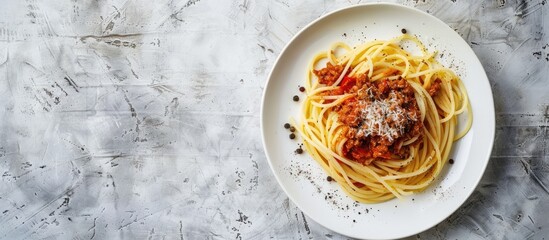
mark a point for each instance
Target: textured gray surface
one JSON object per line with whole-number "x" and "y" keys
{"x": 134, "y": 119}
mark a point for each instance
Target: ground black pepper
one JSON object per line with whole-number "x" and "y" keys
{"x": 299, "y": 151}
{"x": 329, "y": 179}
{"x": 296, "y": 98}
{"x": 403, "y": 31}
{"x": 292, "y": 129}
{"x": 292, "y": 136}
{"x": 451, "y": 161}
{"x": 286, "y": 125}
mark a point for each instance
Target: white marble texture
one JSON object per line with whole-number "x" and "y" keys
{"x": 140, "y": 119}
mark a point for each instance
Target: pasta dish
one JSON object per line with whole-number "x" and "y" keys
{"x": 379, "y": 120}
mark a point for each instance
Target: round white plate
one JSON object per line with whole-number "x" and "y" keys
{"x": 304, "y": 181}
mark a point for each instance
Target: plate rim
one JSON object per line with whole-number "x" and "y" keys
{"x": 476, "y": 61}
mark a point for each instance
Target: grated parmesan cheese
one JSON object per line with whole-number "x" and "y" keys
{"x": 383, "y": 117}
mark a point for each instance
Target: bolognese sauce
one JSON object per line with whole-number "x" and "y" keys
{"x": 380, "y": 116}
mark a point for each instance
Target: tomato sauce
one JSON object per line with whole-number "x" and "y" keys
{"x": 379, "y": 117}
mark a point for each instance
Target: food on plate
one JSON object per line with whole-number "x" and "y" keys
{"x": 380, "y": 120}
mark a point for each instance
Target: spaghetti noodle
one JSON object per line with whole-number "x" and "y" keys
{"x": 379, "y": 120}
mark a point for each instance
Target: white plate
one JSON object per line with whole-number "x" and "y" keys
{"x": 304, "y": 181}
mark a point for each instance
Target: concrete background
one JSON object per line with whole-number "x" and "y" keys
{"x": 140, "y": 119}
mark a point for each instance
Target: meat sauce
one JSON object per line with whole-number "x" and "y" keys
{"x": 380, "y": 117}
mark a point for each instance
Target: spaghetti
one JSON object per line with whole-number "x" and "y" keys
{"x": 379, "y": 120}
